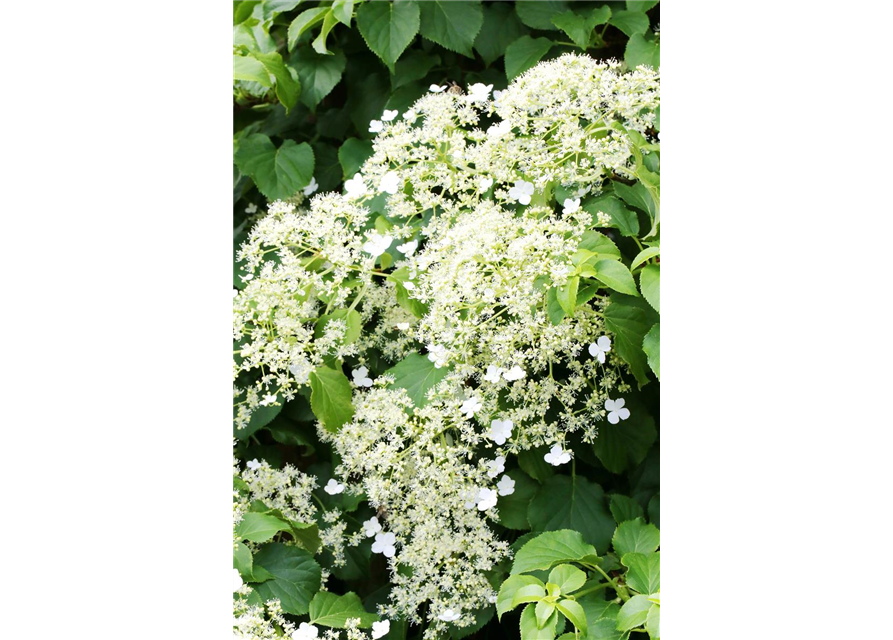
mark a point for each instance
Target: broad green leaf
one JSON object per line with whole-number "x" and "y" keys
{"x": 642, "y": 51}
{"x": 543, "y": 610}
{"x": 553, "y": 307}
{"x": 531, "y": 460}
{"x": 652, "y": 622}
{"x": 637, "y": 196}
{"x": 296, "y": 577}
{"x": 306, "y": 535}
{"x": 606, "y": 629}
{"x": 508, "y": 590}
{"x": 574, "y": 612}
{"x": 651, "y": 347}
{"x": 654, "y": 509}
{"x": 261, "y": 417}
{"x": 331, "y": 610}
{"x": 328, "y": 23}
{"x": 250, "y": 70}
{"x": 260, "y": 527}
{"x": 567, "y": 294}
{"x": 523, "y": 53}
{"x": 644, "y": 571}
{"x": 327, "y": 172}
{"x": 528, "y": 593}
{"x": 350, "y": 317}
{"x": 529, "y": 628}
{"x": 481, "y": 618}
{"x": 600, "y": 245}
{"x": 388, "y": 27}
{"x": 513, "y": 507}
{"x": 615, "y": 275}
{"x": 414, "y": 67}
{"x": 579, "y": 27}
{"x": 278, "y": 173}
{"x": 453, "y": 25}
{"x": 629, "y": 319}
{"x": 304, "y": 21}
{"x": 644, "y": 255}
{"x": 501, "y": 28}
{"x": 537, "y": 14}
{"x": 598, "y": 609}
{"x": 353, "y": 154}
{"x": 624, "y": 445}
{"x": 649, "y": 280}
{"x": 624, "y": 508}
{"x": 563, "y": 502}
{"x": 417, "y": 374}
{"x": 242, "y": 560}
{"x": 271, "y": 8}
{"x": 633, "y": 612}
{"x": 622, "y": 218}
{"x": 551, "y": 548}
{"x": 630, "y": 22}
{"x": 343, "y": 11}
{"x": 319, "y": 74}
{"x": 567, "y": 577}
{"x": 330, "y": 397}
{"x": 287, "y": 88}
{"x": 641, "y": 5}
{"x": 634, "y": 536}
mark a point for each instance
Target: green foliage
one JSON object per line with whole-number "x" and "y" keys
{"x": 331, "y": 610}
{"x": 295, "y": 576}
{"x": 330, "y": 397}
{"x": 417, "y": 374}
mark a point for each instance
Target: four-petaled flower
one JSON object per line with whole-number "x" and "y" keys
{"x": 500, "y": 431}
{"x": 237, "y": 580}
{"x": 599, "y": 348}
{"x": 311, "y": 188}
{"x": 557, "y": 456}
{"x": 515, "y": 373}
{"x": 495, "y": 467}
{"x": 333, "y": 487}
{"x": 486, "y": 499}
{"x": 410, "y": 116}
{"x": 500, "y": 129}
{"x": 361, "y": 377}
{"x": 505, "y": 486}
{"x": 436, "y": 88}
{"x": 408, "y": 248}
{"x": 403, "y": 326}
{"x": 305, "y": 632}
{"x": 485, "y": 183}
{"x": 571, "y": 206}
{"x": 254, "y": 465}
{"x": 521, "y": 191}
{"x": 380, "y": 629}
{"x": 437, "y": 354}
{"x": 371, "y": 526}
{"x": 355, "y": 187}
{"x": 390, "y": 183}
{"x": 493, "y": 373}
{"x": 616, "y": 410}
{"x": 377, "y": 244}
{"x": 268, "y": 400}
{"x": 387, "y": 116}
{"x": 375, "y": 126}
{"x": 409, "y": 285}
{"x": 384, "y": 543}
{"x": 470, "y": 406}
{"x": 251, "y": 208}
{"x": 478, "y": 92}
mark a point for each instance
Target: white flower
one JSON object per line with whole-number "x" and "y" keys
{"x": 470, "y": 406}
{"x": 305, "y": 632}
{"x": 311, "y": 188}
{"x": 499, "y": 130}
{"x": 495, "y": 467}
{"x": 380, "y": 629}
{"x": 268, "y": 400}
{"x": 409, "y": 285}
{"x": 449, "y": 615}
{"x": 355, "y": 187}
{"x": 375, "y": 126}
{"x": 254, "y": 465}
{"x": 571, "y": 206}
{"x": 500, "y": 431}
{"x": 333, "y": 487}
{"x": 521, "y": 191}
{"x": 616, "y": 410}
{"x": 410, "y": 116}
{"x": 506, "y": 486}
{"x": 237, "y": 580}
{"x": 557, "y": 456}
{"x": 403, "y": 326}
{"x": 235, "y": 292}
{"x": 437, "y": 355}
{"x": 478, "y": 92}
{"x": 387, "y": 116}
{"x": 384, "y": 543}
{"x": 492, "y": 599}
{"x": 371, "y": 527}
{"x": 361, "y": 377}
{"x": 408, "y": 248}
{"x": 486, "y": 499}
{"x": 390, "y": 183}
{"x": 436, "y": 89}
{"x": 485, "y": 183}
{"x": 251, "y": 208}
{"x": 493, "y": 373}
{"x": 377, "y": 244}
{"x": 470, "y": 497}
{"x": 515, "y": 373}
{"x": 599, "y": 348}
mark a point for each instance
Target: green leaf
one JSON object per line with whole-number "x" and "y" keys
{"x": 328, "y": 23}
{"x": 563, "y": 502}
{"x": 513, "y": 507}
{"x": 600, "y": 245}
{"x": 330, "y": 397}
{"x": 529, "y": 628}
{"x": 331, "y": 610}
{"x": 644, "y": 571}
{"x": 622, "y": 218}
{"x": 306, "y": 535}
{"x": 654, "y": 509}
{"x": 551, "y": 548}
{"x": 250, "y": 70}
{"x": 343, "y": 11}
{"x": 553, "y": 307}
{"x": 641, "y": 51}
{"x": 353, "y": 154}
{"x": 651, "y": 347}
{"x": 543, "y": 610}
{"x": 629, "y": 319}
{"x": 412, "y": 68}
{"x": 417, "y": 374}
{"x": 453, "y": 25}
{"x": 528, "y": 593}
{"x": 287, "y": 88}
{"x": 537, "y": 14}
{"x": 574, "y": 612}
{"x": 278, "y": 173}
{"x": 652, "y": 622}
{"x": 615, "y": 275}
{"x": 634, "y": 536}
{"x": 260, "y": 527}
{"x": 242, "y": 560}
{"x": 531, "y": 460}
{"x": 481, "y": 618}
{"x": 633, "y": 612}
{"x": 598, "y": 609}
{"x": 319, "y": 74}
{"x": 523, "y": 53}
{"x": 296, "y": 577}
{"x": 624, "y": 445}
{"x": 579, "y": 27}
{"x": 388, "y": 27}
{"x": 641, "y": 5}
{"x": 567, "y": 577}
{"x": 261, "y": 417}
{"x": 630, "y": 22}
{"x": 501, "y": 28}
{"x": 567, "y": 294}
{"x": 508, "y": 590}
{"x": 644, "y": 255}
{"x": 304, "y": 21}
{"x": 350, "y": 317}
{"x": 637, "y": 196}
{"x": 624, "y": 508}
{"x": 649, "y": 280}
